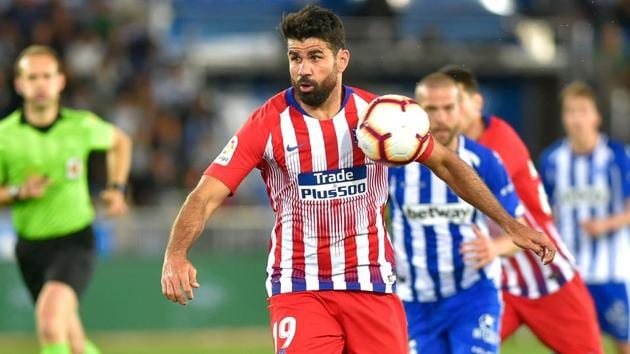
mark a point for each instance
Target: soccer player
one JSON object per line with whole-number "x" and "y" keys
{"x": 44, "y": 149}
{"x": 587, "y": 177}
{"x": 551, "y": 300}
{"x": 330, "y": 276}
{"x": 452, "y": 303}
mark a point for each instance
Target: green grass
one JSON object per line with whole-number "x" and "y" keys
{"x": 220, "y": 341}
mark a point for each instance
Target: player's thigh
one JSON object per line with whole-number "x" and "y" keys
{"x": 565, "y": 320}
{"x": 612, "y": 301}
{"x": 372, "y": 323}
{"x": 510, "y": 319}
{"x": 300, "y": 323}
{"x": 56, "y": 302}
{"x": 477, "y": 329}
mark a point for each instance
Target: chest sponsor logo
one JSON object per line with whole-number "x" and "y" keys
{"x": 74, "y": 168}
{"x": 584, "y": 196}
{"x": 228, "y": 151}
{"x": 333, "y": 184}
{"x": 434, "y": 214}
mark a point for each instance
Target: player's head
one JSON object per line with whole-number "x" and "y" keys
{"x": 38, "y": 76}
{"x": 317, "y": 53}
{"x": 580, "y": 116}
{"x": 439, "y": 95}
{"x": 472, "y": 101}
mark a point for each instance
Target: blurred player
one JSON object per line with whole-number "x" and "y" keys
{"x": 551, "y": 300}
{"x": 330, "y": 272}
{"x": 587, "y": 176}
{"x": 452, "y": 303}
{"x": 44, "y": 149}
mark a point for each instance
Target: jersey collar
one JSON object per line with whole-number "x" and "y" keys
{"x": 291, "y": 101}
{"x": 41, "y": 129}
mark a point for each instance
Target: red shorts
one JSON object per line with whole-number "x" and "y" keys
{"x": 338, "y": 322}
{"x": 565, "y": 320}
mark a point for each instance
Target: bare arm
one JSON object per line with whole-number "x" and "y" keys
{"x": 484, "y": 248}
{"x": 178, "y": 273}
{"x": 467, "y": 184}
{"x": 118, "y": 165}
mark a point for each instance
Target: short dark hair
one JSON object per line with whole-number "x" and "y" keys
{"x": 436, "y": 80}
{"x": 36, "y": 50}
{"x": 314, "y": 22}
{"x": 462, "y": 76}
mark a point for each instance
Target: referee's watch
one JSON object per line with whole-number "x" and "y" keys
{"x": 14, "y": 193}
{"x": 121, "y": 187}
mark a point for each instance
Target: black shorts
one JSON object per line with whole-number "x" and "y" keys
{"x": 69, "y": 259}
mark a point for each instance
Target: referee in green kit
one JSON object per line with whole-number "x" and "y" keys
{"x": 44, "y": 149}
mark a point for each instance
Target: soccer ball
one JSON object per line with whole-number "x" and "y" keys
{"x": 393, "y": 130}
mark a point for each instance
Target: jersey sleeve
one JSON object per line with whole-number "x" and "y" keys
{"x": 243, "y": 152}
{"x": 494, "y": 174}
{"x": 427, "y": 148}
{"x": 547, "y": 174}
{"x": 100, "y": 133}
{"x": 623, "y": 158}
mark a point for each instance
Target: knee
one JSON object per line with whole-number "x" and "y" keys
{"x": 51, "y": 327}
{"x": 77, "y": 347}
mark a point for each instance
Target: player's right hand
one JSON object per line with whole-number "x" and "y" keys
{"x": 179, "y": 277}
{"x": 33, "y": 187}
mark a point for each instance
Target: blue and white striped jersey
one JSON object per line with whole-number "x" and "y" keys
{"x": 430, "y": 222}
{"x": 585, "y": 187}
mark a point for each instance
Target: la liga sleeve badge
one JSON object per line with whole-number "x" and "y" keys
{"x": 228, "y": 151}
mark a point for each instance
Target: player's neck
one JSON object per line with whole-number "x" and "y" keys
{"x": 475, "y": 129}
{"x": 40, "y": 117}
{"x": 326, "y": 110}
{"x": 584, "y": 144}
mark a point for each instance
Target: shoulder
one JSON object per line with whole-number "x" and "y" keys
{"x": 10, "y": 121}
{"x": 269, "y": 112}
{"x": 482, "y": 152}
{"x": 362, "y": 94}
{"x": 78, "y": 115}
{"x": 497, "y": 125}
{"x": 550, "y": 152}
{"x": 619, "y": 149}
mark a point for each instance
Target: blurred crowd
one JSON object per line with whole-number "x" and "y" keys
{"x": 121, "y": 65}
{"x": 118, "y": 68}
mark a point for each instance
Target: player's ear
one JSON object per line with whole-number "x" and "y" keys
{"x": 343, "y": 59}
{"x": 62, "y": 81}
{"x": 17, "y": 84}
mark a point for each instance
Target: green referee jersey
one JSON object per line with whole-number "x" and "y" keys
{"x": 59, "y": 152}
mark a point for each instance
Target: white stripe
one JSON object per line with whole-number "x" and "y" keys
{"x": 337, "y": 253}
{"x": 363, "y": 251}
{"x": 511, "y": 278}
{"x": 293, "y": 166}
{"x": 583, "y": 213}
{"x": 268, "y": 155}
{"x": 444, "y": 240}
{"x": 600, "y": 180}
{"x": 424, "y": 283}
{"x": 311, "y": 219}
{"x": 403, "y": 288}
{"x": 528, "y": 275}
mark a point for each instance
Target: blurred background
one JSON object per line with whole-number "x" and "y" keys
{"x": 180, "y": 76}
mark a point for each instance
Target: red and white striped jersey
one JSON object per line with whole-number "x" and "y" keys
{"x": 328, "y": 197}
{"x": 523, "y": 273}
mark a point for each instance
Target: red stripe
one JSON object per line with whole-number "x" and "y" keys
{"x": 519, "y": 276}
{"x": 350, "y": 245}
{"x": 353, "y": 119}
{"x": 278, "y": 155}
{"x": 375, "y": 271}
{"x": 306, "y": 165}
{"x": 324, "y": 226}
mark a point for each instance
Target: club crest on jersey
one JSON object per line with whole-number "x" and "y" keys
{"x": 434, "y": 214}
{"x": 333, "y": 184}
{"x": 228, "y": 151}
{"x": 487, "y": 329}
{"x": 74, "y": 168}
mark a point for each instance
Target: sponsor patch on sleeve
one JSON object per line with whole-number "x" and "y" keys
{"x": 228, "y": 151}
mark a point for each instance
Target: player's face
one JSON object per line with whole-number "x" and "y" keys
{"x": 39, "y": 82}
{"x": 470, "y": 106}
{"x": 442, "y": 106}
{"x": 315, "y": 70}
{"x": 580, "y": 116}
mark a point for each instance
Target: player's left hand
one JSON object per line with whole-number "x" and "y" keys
{"x": 596, "y": 227}
{"x": 115, "y": 200}
{"x": 530, "y": 239}
{"x": 481, "y": 250}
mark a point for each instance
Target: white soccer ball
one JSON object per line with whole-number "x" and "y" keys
{"x": 393, "y": 130}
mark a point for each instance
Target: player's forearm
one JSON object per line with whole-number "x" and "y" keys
{"x": 467, "y": 184}
{"x": 504, "y": 246}
{"x": 119, "y": 159}
{"x": 617, "y": 221}
{"x": 188, "y": 226}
